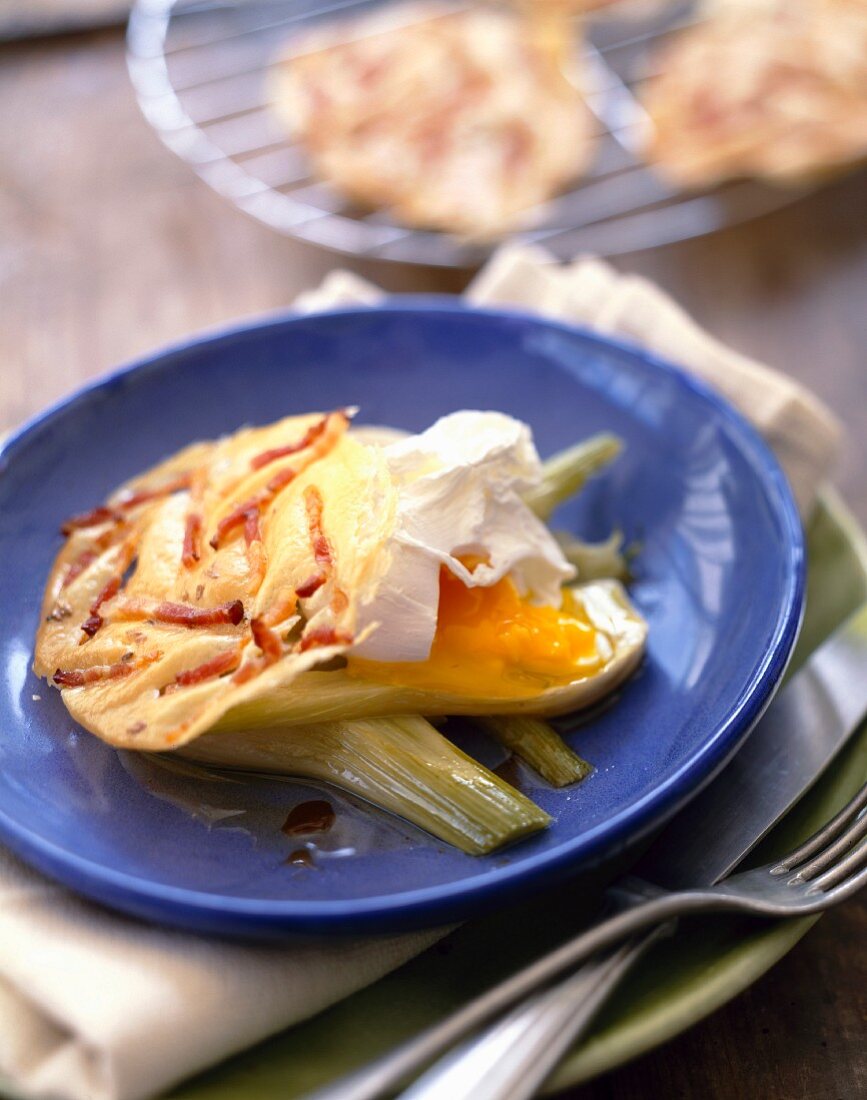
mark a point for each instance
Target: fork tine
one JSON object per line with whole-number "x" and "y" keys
{"x": 825, "y": 835}
{"x": 832, "y": 855}
{"x": 854, "y": 861}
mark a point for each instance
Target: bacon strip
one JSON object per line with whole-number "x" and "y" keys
{"x": 89, "y": 555}
{"x": 144, "y": 495}
{"x": 267, "y": 640}
{"x": 322, "y": 636}
{"x": 85, "y": 558}
{"x": 114, "y": 513}
{"x": 322, "y": 551}
{"x": 192, "y": 540}
{"x": 310, "y": 436}
{"x": 79, "y": 677}
{"x": 180, "y": 614}
{"x": 281, "y": 480}
{"x": 240, "y": 516}
{"x": 111, "y": 588}
{"x": 246, "y": 515}
{"x": 94, "y": 621}
{"x": 321, "y": 546}
{"x": 252, "y": 530}
{"x": 235, "y": 519}
{"x": 216, "y": 666}
{"x": 311, "y": 585}
{"x": 93, "y": 518}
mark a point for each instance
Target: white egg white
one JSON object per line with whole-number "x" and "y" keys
{"x": 459, "y": 492}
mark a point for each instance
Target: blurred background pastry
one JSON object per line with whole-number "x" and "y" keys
{"x": 775, "y": 89}
{"x": 453, "y": 120}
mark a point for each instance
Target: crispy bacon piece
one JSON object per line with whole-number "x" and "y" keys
{"x": 192, "y": 540}
{"x": 89, "y": 555}
{"x": 236, "y": 518}
{"x": 322, "y": 636}
{"x": 267, "y": 640}
{"x": 321, "y": 546}
{"x": 79, "y": 677}
{"x": 185, "y": 615}
{"x": 248, "y": 516}
{"x": 94, "y": 621}
{"x": 310, "y": 436}
{"x": 216, "y": 666}
{"x": 242, "y": 516}
{"x": 142, "y": 496}
{"x": 111, "y": 588}
{"x": 114, "y": 513}
{"x": 94, "y": 518}
{"x": 281, "y": 480}
{"x": 180, "y": 614}
{"x": 311, "y": 585}
{"x": 91, "y": 624}
{"x": 84, "y": 559}
{"x": 252, "y": 528}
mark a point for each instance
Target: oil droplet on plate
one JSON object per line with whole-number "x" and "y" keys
{"x": 300, "y": 858}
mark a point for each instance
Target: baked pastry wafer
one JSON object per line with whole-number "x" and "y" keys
{"x": 456, "y": 120}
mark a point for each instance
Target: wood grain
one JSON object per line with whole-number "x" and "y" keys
{"x": 111, "y": 247}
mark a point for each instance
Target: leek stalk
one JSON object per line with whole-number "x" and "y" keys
{"x": 564, "y": 474}
{"x": 540, "y": 746}
{"x": 402, "y": 764}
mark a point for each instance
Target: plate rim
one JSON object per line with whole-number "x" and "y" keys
{"x": 430, "y": 906}
{"x": 754, "y": 955}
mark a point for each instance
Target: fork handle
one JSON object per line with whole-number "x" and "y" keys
{"x": 512, "y": 1059}
{"x": 385, "y": 1074}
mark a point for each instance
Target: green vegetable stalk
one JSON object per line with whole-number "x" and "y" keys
{"x": 401, "y": 764}
{"x": 540, "y": 746}
{"x": 565, "y": 473}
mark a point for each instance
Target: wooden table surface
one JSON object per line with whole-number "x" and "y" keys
{"x": 110, "y": 247}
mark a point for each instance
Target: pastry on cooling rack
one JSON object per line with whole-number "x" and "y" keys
{"x": 639, "y": 8}
{"x": 453, "y": 119}
{"x": 775, "y": 89}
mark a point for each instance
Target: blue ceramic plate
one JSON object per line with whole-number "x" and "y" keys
{"x": 719, "y": 578}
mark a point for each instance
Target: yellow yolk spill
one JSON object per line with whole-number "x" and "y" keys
{"x": 491, "y": 642}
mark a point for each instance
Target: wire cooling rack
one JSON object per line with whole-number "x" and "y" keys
{"x": 200, "y": 71}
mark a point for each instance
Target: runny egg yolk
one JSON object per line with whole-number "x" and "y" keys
{"x": 489, "y": 641}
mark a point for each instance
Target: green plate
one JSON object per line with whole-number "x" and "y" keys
{"x": 709, "y": 960}
{"x": 706, "y": 964}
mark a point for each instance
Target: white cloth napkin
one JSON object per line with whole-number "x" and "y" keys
{"x": 95, "y": 1006}
{"x": 802, "y": 432}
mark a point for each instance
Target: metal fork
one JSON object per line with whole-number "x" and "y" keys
{"x": 513, "y": 1058}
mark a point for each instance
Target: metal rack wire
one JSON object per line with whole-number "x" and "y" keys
{"x": 200, "y": 69}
